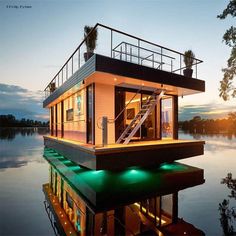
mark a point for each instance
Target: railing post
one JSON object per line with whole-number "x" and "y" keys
{"x": 62, "y": 75}
{"x": 125, "y": 51}
{"x": 153, "y": 60}
{"x": 79, "y": 58}
{"x": 196, "y": 69}
{"x": 171, "y": 65}
{"x": 121, "y": 52}
{"x": 139, "y": 52}
{"x": 72, "y": 65}
{"x": 161, "y": 58}
{"x": 111, "y": 41}
{"x": 66, "y": 71}
{"x": 180, "y": 69}
{"x": 130, "y": 54}
{"x": 104, "y": 130}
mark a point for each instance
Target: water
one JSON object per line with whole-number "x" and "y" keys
{"x": 23, "y": 171}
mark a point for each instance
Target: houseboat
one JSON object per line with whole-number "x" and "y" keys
{"x": 113, "y": 138}
{"x": 117, "y": 106}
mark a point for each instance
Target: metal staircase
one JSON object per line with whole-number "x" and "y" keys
{"x": 144, "y": 112}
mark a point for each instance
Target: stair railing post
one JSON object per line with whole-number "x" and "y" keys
{"x": 104, "y": 131}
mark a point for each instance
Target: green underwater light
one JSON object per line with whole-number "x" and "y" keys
{"x": 172, "y": 166}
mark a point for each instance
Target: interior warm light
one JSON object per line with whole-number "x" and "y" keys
{"x": 149, "y": 213}
{"x": 115, "y": 79}
{"x": 65, "y": 223}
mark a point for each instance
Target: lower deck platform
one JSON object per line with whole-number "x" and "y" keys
{"x": 120, "y": 156}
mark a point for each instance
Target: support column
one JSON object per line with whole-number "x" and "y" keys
{"x": 175, "y": 117}
{"x": 175, "y": 208}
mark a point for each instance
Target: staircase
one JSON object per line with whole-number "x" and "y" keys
{"x": 142, "y": 115}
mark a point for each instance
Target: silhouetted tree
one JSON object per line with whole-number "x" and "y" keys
{"x": 227, "y": 213}
{"x": 11, "y": 121}
{"x": 226, "y": 85}
{"x": 210, "y": 126}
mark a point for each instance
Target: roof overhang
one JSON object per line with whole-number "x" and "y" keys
{"x": 106, "y": 70}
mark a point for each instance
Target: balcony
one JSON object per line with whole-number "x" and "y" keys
{"x": 118, "y": 45}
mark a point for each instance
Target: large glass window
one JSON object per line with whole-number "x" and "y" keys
{"x": 90, "y": 115}
{"x": 167, "y": 117}
{"x": 148, "y": 127}
{"x": 132, "y": 109}
{"x": 131, "y": 103}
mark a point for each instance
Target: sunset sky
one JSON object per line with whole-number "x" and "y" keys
{"x": 37, "y": 37}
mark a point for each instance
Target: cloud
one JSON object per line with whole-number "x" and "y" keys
{"x": 22, "y": 102}
{"x": 206, "y": 111}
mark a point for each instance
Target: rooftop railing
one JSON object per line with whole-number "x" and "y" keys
{"x": 120, "y": 45}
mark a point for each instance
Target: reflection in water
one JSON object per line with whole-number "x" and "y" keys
{"x": 22, "y": 173}
{"x": 17, "y": 144}
{"x": 228, "y": 212}
{"x": 198, "y": 136}
{"x": 10, "y": 133}
{"x": 134, "y": 201}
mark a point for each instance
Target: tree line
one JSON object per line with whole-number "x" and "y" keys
{"x": 11, "y": 121}
{"x": 210, "y": 126}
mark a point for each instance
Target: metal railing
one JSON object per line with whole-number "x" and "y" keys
{"x": 123, "y": 46}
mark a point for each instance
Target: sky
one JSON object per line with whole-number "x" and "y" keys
{"x": 38, "y": 36}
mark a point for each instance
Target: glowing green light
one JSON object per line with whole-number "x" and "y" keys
{"x": 66, "y": 161}
{"x": 74, "y": 167}
{"x": 134, "y": 175}
{"x": 172, "y": 166}
{"x": 97, "y": 171}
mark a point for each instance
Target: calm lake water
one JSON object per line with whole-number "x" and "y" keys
{"x": 23, "y": 170}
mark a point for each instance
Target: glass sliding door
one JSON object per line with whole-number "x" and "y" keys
{"x": 148, "y": 128}
{"x": 167, "y": 117}
{"x": 133, "y": 106}
{"x": 119, "y": 114}
{"x": 127, "y": 105}
{"x": 90, "y": 114}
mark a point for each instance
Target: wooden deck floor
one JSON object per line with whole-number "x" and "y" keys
{"x": 145, "y": 153}
{"x": 137, "y": 145}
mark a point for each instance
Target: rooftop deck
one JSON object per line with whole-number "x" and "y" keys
{"x": 119, "y": 156}
{"x": 124, "y": 47}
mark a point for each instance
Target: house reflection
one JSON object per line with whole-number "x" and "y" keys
{"x": 134, "y": 201}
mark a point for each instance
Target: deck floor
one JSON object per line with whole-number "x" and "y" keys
{"x": 131, "y": 145}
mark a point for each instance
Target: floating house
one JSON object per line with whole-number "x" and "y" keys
{"x": 110, "y": 106}
{"x": 113, "y": 138}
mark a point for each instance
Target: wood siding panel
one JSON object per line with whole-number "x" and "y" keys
{"x": 104, "y": 106}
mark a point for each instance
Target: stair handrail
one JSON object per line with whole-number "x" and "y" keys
{"x": 114, "y": 120}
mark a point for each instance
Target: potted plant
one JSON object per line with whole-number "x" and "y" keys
{"x": 90, "y": 41}
{"x": 52, "y": 87}
{"x": 188, "y": 61}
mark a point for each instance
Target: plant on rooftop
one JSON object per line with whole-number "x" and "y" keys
{"x": 91, "y": 40}
{"x": 188, "y": 61}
